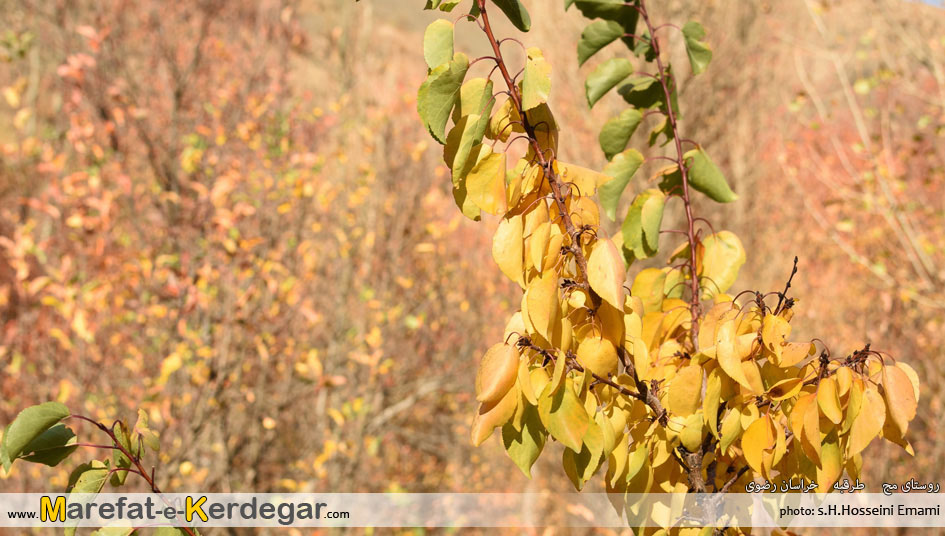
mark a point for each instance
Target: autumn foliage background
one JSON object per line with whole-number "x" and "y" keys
{"x": 228, "y": 213}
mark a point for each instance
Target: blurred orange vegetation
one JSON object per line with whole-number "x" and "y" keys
{"x": 227, "y": 213}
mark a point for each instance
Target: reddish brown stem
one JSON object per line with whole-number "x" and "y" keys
{"x": 694, "y": 304}
{"x": 553, "y": 180}
{"x": 136, "y": 460}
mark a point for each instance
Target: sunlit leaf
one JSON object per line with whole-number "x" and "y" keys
{"x": 28, "y": 425}
{"x": 606, "y": 272}
{"x": 699, "y": 53}
{"x": 605, "y": 77}
{"x": 498, "y": 370}
{"x": 621, "y": 168}
{"x": 525, "y": 445}
{"x": 438, "y": 93}
{"x": 536, "y": 81}
{"x": 705, "y": 177}
{"x": 438, "y": 43}
{"x": 596, "y": 36}
{"x": 684, "y": 392}
{"x": 868, "y": 422}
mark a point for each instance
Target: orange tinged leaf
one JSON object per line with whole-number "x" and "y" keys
{"x": 900, "y": 398}
{"x": 492, "y": 415}
{"x": 497, "y": 372}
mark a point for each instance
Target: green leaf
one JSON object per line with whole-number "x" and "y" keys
{"x": 460, "y": 193}
{"x": 617, "y": 131}
{"x": 516, "y": 12}
{"x": 148, "y": 436}
{"x": 642, "y": 92}
{"x": 614, "y": 10}
{"x": 621, "y": 168}
{"x": 90, "y": 477}
{"x": 51, "y": 447}
{"x": 27, "y": 426}
{"x": 605, "y": 77}
{"x": 705, "y": 177}
{"x": 524, "y": 446}
{"x": 87, "y": 480}
{"x": 596, "y": 36}
{"x": 664, "y": 128}
{"x": 641, "y": 227}
{"x": 438, "y": 43}
{"x": 119, "y": 458}
{"x": 581, "y": 466}
{"x": 442, "y": 5}
{"x": 466, "y": 134}
{"x": 699, "y": 53}
{"x": 438, "y": 93}
{"x": 536, "y": 81}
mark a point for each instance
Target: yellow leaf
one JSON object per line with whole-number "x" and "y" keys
{"x": 844, "y": 379}
{"x": 793, "y": 353}
{"x": 774, "y": 332}
{"x": 810, "y": 433}
{"x": 598, "y": 355}
{"x": 722, "y": 256}
{"x": 900, "y": 398}
{"x": 829, "y": 400}
{"x": 753, "y": 377}
{"x": 757, "y": 438}
{"x": 508, "y": 248}
{"x": 491, "y": 415}
{"x": 648, "y": 286}
{"x": 785, "y": 389}
{"x": 685, "y": 391}
{"x": 525, "y": 383}
{"x": 725, "y": 352}
{"x": 497, "y": 372}
{"x": 586, "y": 180}
{"x": 538, "y": 245}
{"x": 606, "y": 272}
{"x": 731, "y": 429}
{"x": 485, "y": 183}
{"x": 504, "y": 122}
{"x": 567, "y": 418}
{"x": 868, "y": 422}
{"x": 712, "y": 401}
{"x": 692, "y": 433}
{"x": 831, "y": 463}
{"x": 913, "y": 377}
{"x": 542, "y": 303}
